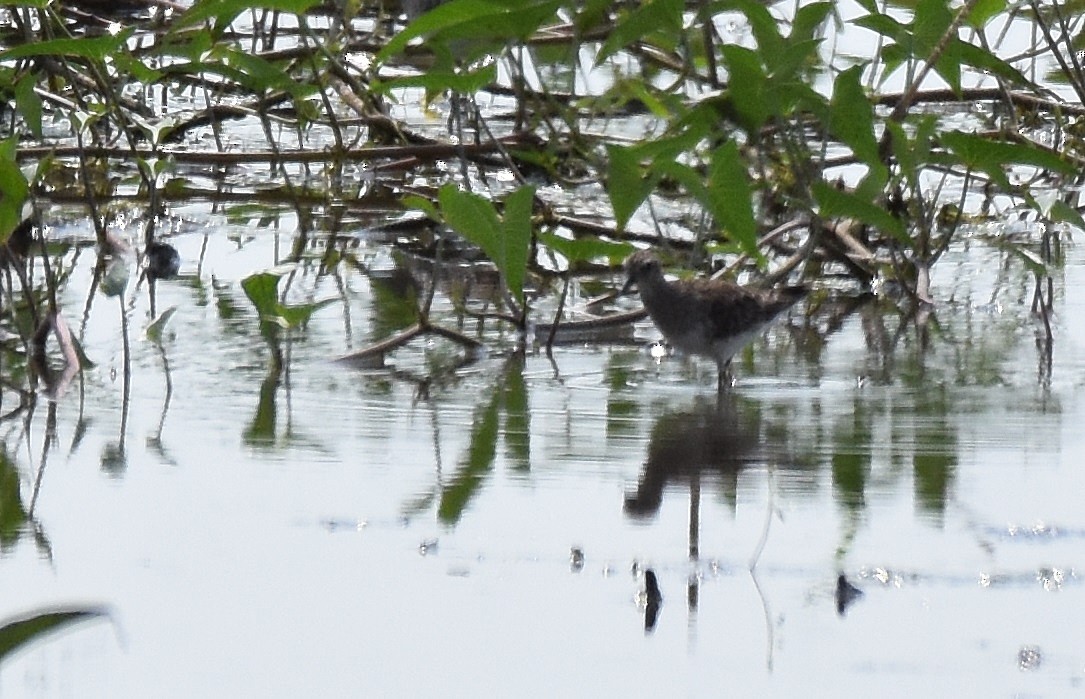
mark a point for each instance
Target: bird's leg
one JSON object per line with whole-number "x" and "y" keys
{"x": 724, "y": 379}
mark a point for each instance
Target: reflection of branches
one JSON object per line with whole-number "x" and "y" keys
{"x": 114, "y": 459}
{"x": 155, "y": 441}
{"x": 373, "y": 355}
{"x": 56, "y": 385}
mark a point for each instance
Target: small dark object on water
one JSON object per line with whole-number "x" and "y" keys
{"x": 845, "y": 594}
{"x": 709, "y": 317}
{"x": 576, "y": 559}
{"x": 163, "y": 261}
{"x": 653, "y": 598}
{"x": 651, "y": 587}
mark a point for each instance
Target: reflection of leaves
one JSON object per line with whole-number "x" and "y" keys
{"x": 261, "y": 430}
{"x": 395, "y": 305}
{"x": 934, "y": 463}
{"x": 851, "y": 460}
{"x": 114, "y": 460}
{"x": 517, "y": 415}
{"x": 511, "y": 394}
{"x": 479, "y": 462}
{"x": 154, "y": 330}
{"x": 20, "y": 632}
{"x": 12, "y": 514}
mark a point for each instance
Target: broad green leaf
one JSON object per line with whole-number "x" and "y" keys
{"x": 155, "y": 329}
{"x": 834, "y": 203}
{"x": 984, "y": 11}
{"x": 765, "y": 29}
{"x": 133, "y": 68}
{"x": 1061, "y": 211}
{"x": 948, "y": 66}
{"x": 982, "y": 59}
{"x": 224, "y": 12}
{"x": 808, "y": 20}
{"x": 746, "y": 84}
{"x": 482, "y": 22}
{"x": 627, "y": 184}
{"x": 506, "y": 242}
{"x": 886, "y": 26}
{"x": 853, "y": 116}
{"x": 994, "y": 157}
{"x": 686, "y": 176}
{"x": 262, "y": 289}
{"x": 730, "y": 198}
{"x": 252, "y": 71}
{"x": 591, "y": 13}
{"x": 19, "y": 632}
{"x": 438, "y": 81}
{"x": 932, "y": 20}
{"x": 96, "y": 48}
{"x": 28, "y": 103}
{"x": 517, "y": 228}
{"x": 586, "y": 248}
{"x": 420, "y": 203}
{"x": 14, "y": 188}
{"x": 646, "y": 18}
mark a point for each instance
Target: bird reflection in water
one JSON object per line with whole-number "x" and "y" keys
{"x": 713, "y": 441}
{"x": 714, "y": 438}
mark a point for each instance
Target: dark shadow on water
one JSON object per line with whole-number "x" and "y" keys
{"x": 714, "y": 440}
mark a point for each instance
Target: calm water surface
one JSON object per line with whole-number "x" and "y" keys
{"x": 345, "y": 535}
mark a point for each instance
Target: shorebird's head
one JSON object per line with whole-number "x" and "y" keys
{"x": 640, "y": 267}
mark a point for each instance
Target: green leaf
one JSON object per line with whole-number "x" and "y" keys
{"x": 834, "y": 203}
{"x": 746, "y": 84}
{"x": 932, "y": 20}
{"x": 224, "y": 12}
{"x": 28, "y": 103}
{"x": 477, "y": 26}
{"x": 438, "y": 81}
{"x": 1061, "y": 211}
{"x": 96, "y": 48}
{"x": 506, "y": 242}
{"x": 251, "y": 71}
{"x": 19, "y": 632}
{"x": 984, "y": 11}
{"x": 627, "y": 183}
{"x": 262, "y": 289}
{"x": 886, "y": 26}
{"x": 517, "y": 228}
{"x": 852, "y": 116}
{"x": 14, "y": 188}
{"x": 646, "y": 18}
{"x": 587, "y": 248}
{"x": 154, "y": 330}
{"x": 730, "y": 198}
{"x": 993, "y": 157}
{"x": 808, "y": 19}
{"x": 982, "y": 59}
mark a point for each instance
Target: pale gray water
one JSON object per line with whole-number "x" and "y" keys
{"x": 357, "y": 541}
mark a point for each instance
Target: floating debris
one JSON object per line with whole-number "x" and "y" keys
{"x": 576, "y": 559}
{"x": 1029, "y": 658}
{"x": 845, "y": 594}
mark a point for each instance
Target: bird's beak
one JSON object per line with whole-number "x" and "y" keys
{"x": 629, "y": 284}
